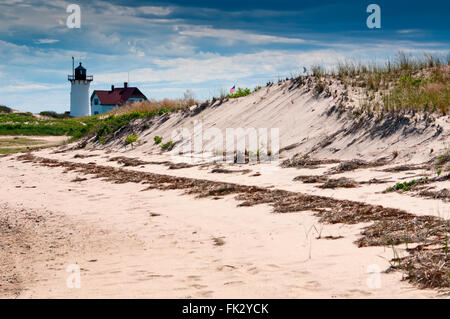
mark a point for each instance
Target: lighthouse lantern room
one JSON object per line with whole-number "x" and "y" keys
{"x": 79, "y": 92}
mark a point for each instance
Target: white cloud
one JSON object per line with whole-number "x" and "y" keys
{"x": 158, "y": 11}
{"x": 211, "y": 67}
{"x": 232, "y": 36}
{"x": 46, "y": 41}
{"x": 405, "y": 31}
{"x": 31, "y": 87}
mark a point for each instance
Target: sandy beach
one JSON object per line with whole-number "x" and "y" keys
{"x": 130, "y": 242}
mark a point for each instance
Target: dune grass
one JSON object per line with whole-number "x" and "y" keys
{"x": 8, "y": 142}
{"x": 155, "y": 106}
{"x": 19, "y": 144}
{"x": 101, "y": 126}
{"x": 114, "y": 120}
{"x": 404, "y": 83}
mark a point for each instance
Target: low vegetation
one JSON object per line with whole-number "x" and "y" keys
{"x": 240, "y": 93}
{"x": 167, "y": 146}
{"x": 102, "y": 127}
{"x": 131, "y": 139}
{"x": 157, "y": 139}
{"x": 406, "y": 186}
{"x": 18, "y": 144}
{"x": 5, "y": 109}
{"x": 28, "y": 124}
{"x": 405, "y": 83}
{"x": 154, "y": 106}
{"x": 55, "y": 115}
{"x": 443, "y": 161}
{"x": 113, "y": 121}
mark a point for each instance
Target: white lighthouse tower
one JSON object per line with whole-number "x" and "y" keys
{"x": 79, "y": 92}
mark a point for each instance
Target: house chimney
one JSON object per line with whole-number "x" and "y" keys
{"x": 125, "y": 84}
{"x": 112, "y": 88}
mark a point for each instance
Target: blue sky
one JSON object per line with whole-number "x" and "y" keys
{"x": 207, "y": 46}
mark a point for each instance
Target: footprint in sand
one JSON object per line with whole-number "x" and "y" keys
{"x": 160, "y": 276}
{"x": 273, "y": 266}
{"x": 197, "y": 286}
{"x": 253, "y": 270}
{"x": 233, "y": 283}
{"x": 206, "y": 294}
{"x": 362, "y": 292}
{"x": 312, "y": 285}
{"x": 226, "y": 268}
{"x": 195, "y": 278}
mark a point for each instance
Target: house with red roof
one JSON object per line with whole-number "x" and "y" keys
{"x": 105, "y": 101}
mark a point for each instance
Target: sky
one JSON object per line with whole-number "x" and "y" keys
{"x": 167, "y": 47}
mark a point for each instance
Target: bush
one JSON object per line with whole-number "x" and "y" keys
{"x": 55, "y": 115}
{"x": 168, "y": 146}
{"x": 5, "y": 109}
{"x": 157, "y": 139}
{"x": 406, "y": 186}
{"x": 240, "y": 93}
{"x": 131, "y": 139}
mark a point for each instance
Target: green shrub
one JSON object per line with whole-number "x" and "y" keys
{"x": 157, "y": 139}
{"x": 5, "y": 109}
{"x": 131, "y": 139}
{"x": 406, "y": 186}
{"x": 168, "y": 146}
{"x": 55, "y": 115}
{"x": 240, "y": 93}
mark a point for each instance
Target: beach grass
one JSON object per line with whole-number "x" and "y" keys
{"x": 8, "y": 142}
{"x": 15, "y": 144}
{"x": 403, "y": 83}
{"x": 11, "y": 150}
{"x": 101, "y": 126}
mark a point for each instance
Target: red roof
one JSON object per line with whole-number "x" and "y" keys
{"x": 118, "y": 96}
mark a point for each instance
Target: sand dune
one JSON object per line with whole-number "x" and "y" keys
{"x": 138, "y": 225}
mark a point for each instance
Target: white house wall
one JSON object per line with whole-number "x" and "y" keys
{"x": 100, "y": 108}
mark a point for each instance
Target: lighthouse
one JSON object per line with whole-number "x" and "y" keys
{"x": 79, "y": 92}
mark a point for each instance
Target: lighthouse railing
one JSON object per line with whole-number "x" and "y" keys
{"x": 88, "y": 78}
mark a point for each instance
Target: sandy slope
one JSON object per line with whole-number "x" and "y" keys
{"x": 308, "y": 124}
